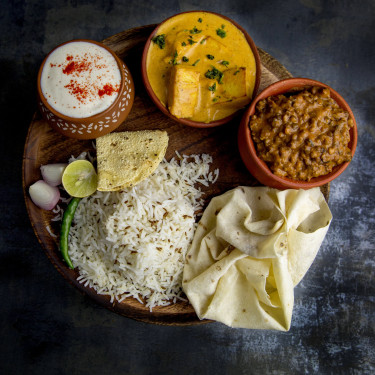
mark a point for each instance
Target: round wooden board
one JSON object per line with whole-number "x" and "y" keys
{"x": 44, "y": 145}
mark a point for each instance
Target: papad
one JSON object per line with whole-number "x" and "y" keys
{"x": 126, "y": 158}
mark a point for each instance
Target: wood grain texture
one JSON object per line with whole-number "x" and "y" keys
{"x": 44, "y": 145}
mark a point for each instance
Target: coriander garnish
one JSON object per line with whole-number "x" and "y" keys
{"x": 183, "y": 44}
{"x": 185, "y": 59}
{"x": 236, "y": 72}
{"x": 215, "y": 99}
{"x": 174, "y": 61}
{"x": 195, "y": 30}
{"x": 213, "y": 87}
{"x": 196, "y": 62}
{"x": 159, "y": 40}
{"x": 224, "y": 62}
{"x": 200, "y": 20}
{"x": 210, "y": 57}
{"x": 215, "y": 74}
{"x": 221, "y": 32}
{"x": 191, "y": 41}
{"x": 203, "y": 41}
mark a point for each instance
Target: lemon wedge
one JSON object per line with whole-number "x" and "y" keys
{"x": 80, "y": 179}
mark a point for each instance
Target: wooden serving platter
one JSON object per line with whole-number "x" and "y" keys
{"x": 44, "y": 145}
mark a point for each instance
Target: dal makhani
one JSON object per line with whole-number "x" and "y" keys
{"x": 301, "y": 135}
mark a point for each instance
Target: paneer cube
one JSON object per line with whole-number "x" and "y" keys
{"x": 214, "y": 45}
{"x": 183, "y": 92}
{"x": 233, "y": 91}
{"x": 234, "y": 84}
{"x": 185, "y": 44}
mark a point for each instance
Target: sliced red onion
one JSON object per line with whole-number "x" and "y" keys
{"x": 52, "y": 173}
{"x": 44, "y": 195}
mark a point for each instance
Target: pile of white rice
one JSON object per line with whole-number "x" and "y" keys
{"x": 134, "y": 242}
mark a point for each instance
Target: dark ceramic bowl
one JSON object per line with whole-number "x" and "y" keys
{"x": 165, "y": 110}
{"x": 96, "y": 125}
{"x": 258, "y": 168}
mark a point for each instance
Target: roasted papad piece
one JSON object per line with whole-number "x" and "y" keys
{"x": 126, "y": 158}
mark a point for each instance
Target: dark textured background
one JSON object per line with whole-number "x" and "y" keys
{"x": 48, "y": 327}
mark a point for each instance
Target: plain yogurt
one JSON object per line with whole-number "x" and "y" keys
{"x": 80, "y": 79}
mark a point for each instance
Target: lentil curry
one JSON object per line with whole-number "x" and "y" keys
{"x": 201, "y": 67}
{"x": 301, "y": 135}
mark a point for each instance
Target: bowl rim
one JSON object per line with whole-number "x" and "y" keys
{"x": 164, "y": 109}
{"x": 99, "y": 115}
{"x": 281, "y": 87}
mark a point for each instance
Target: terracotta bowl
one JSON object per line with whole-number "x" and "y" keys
{"x": 98, "y": 124}
{"x": 258, "y": 168}
{"x": 188, "y": 122}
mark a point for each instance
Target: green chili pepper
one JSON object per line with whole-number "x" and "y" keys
{"x": 65, "y": 228}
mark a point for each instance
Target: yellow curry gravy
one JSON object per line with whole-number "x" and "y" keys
{"x": 201, "y": 67}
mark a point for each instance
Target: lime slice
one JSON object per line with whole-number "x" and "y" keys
{"x": 80, "y": 179}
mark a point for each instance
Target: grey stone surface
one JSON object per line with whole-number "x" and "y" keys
{"x": 48, "y": 327}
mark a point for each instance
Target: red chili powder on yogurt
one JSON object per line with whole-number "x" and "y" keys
{"x": 80, "y": 79}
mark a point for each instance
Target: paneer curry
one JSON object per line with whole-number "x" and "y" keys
{"x": 201, "y": 67}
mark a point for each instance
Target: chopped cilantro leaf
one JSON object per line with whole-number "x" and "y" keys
{"x": 185, "y": 59}
{"x": 191, "y": 41}
{"x": 215, "y": 74}
{"x": 210, "y": 57}
{"x": 196, "y": 62}
{"x": 236, "y": 72}
{"x": 221, "y": 33}
{"x": 195, "y": 30}
{"x": 203, "y": 41}
{"x": 215, "y": 99}
{"x": 200, "y": 20}
{"x": 183, "y": 44}
{"x": 174, "y": 61}
{"x": 159, "y": 40}
{"x": 224, "y": 62}
{"x": 213, "y": 87}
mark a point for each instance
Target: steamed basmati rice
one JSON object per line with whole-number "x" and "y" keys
{"x": 133, "y": 242}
